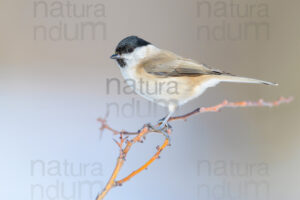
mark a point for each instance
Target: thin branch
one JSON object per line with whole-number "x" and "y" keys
{"x": 224, "y": 104}
{"x": 139, "y": 135}
{"x": 145, "y": 166}
{"x": 123, "y": 152}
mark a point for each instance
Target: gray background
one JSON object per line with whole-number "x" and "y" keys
{"x": 52, "y": 92}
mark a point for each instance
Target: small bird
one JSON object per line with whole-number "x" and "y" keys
{"x": 166, "y": 78}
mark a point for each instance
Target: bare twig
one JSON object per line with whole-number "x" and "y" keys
{"x": 139, "y": 135}
{"x": 216, "y": 108}
{"x": 123, "y": 152}
{"x": 143, "y": 167}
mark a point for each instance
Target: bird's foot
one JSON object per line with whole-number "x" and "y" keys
{"x": 160, "y": 128}
{"x": 163, "y": 128}
{"x": 163, "y": 124}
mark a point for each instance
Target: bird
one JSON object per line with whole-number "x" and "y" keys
{"x": 166, "y": 78}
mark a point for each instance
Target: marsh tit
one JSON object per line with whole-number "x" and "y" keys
{"x": 166, "y": 78}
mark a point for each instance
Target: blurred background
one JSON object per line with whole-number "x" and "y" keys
{"x": 54, "y": 68}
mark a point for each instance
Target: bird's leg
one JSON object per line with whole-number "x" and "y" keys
{"x": 164, "y": 126}
{"x": 164, "y": 122}
{"x": 167, "y": 125}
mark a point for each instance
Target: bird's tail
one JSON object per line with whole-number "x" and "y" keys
{"x": 237, "y": 79}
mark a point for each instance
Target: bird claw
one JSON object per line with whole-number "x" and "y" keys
{"x": 163, "y": 122}
{"x": 163, "y": 130}
{"x": 164, "y": 126}
{"x": 160, "y": 129}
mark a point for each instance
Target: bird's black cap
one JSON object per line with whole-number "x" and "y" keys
{"x": 128, "y": 44}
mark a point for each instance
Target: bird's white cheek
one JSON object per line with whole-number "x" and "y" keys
{"x": 131, "y": 60}
{"x": 139, "y": 54}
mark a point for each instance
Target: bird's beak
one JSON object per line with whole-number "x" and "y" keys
{"x": 115, "y": 56}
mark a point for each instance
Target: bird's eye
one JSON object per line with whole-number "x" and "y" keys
{"x": 130, "y": 50}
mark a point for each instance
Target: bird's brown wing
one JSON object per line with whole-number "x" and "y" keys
{"x": 167, "y": 64}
